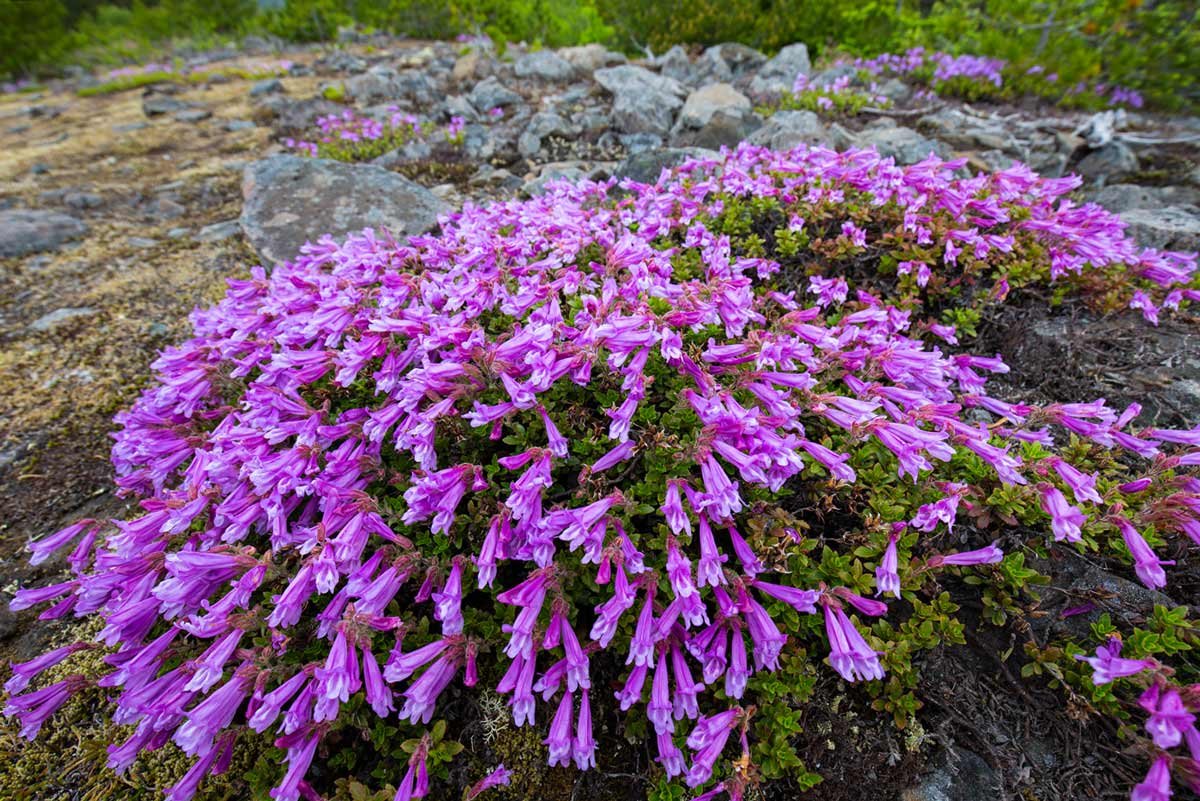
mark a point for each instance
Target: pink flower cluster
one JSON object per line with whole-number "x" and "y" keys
{"x": 943, "y": 67}
{"x": 350, "y": 127}
{"x": 277, "y": 520}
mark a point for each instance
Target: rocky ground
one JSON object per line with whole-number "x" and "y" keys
{"x": 120, "y": 212}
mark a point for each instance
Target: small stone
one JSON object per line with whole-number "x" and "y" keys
{"x": 192, "y": 115}
{"x": 778, "y": 74}
{"x": 48, "y": 322}
{"x": 490, "y": 93}
{"x": 82, "y": 200}
{"x": 1108, "y": 164}
{"x": 218, "y": 232}
{"x": 642, "y": 101}
{"x": 904, "y": 145}
{"x": 31, "y": 231}
{"x": 646, "y": 166}
{"x": 702, "y": 104}
{"x": 130, "y": 127}
{"x": 956, "y": 775}
{"x": 544, "y": 65}
{"x": 141, "y": 242}
{"x": 234, "y": 126}
{"x": 591, "y": 57}
{"x": 156, "y": 105}
{"x": 783, "y": 130}
{"x": 266, "y": 87}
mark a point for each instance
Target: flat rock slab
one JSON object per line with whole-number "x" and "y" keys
{"x": 25, "y": 231}
{"x": 291, "y": 200}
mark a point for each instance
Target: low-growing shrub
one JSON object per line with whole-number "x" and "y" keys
{"x": 685, "y": 441}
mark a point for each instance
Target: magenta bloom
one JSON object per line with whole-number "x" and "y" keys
{"x": 1146, "y": 563}
{"x": 984, "y": 556}
{"x": 1065, "y": 519}
{"x": 1169, "y": 718}
{"x": 1157, "y": 784}
{"x": 1108, "y": 663}
{"x": 849, "y": 653}
{"x": 887, "y": 579}
{"x": 559, "y": 739}
{"x": 497, "y": 778}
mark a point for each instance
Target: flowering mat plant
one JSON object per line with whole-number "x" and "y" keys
{"x": 557, "y": 451}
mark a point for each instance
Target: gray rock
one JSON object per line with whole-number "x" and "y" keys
{"x": 234, "y": 126}
{"x": 642, "y": 101}
{"x": 544, "y": 65}
{"x": 904, "y": 145}
{"x": 141, "y": 242}
{"x": 702, "y": 104}
{"x": 297, "y": 117}
{"x": 956, "y": 774}
{"x": 784, "y": 130}
{"x": 130, "y": 127}
{"x": 675, "y": 64}
{"x": 779, "y": 73}
{"x": 728, "y": 61}
{"x": 192, "y": 115}
{"x": 646, "y": 167}
{"x": 555, "y": 171}
{"x": 639, "y": 142}
{"x": 1126, "y": 197}
{"x": 1108, "y": 164}
{"x": 827, "y": 76}
{"x": 459, "y": 106}
{"x": 290, "y": 200}
{"x": 722, "y": 129}
{"x": 490, "y": 93}
{"x": 543, "y": 124}
{"x": 25, "y": 231}
{"x": 1166, "y": 228}
{"x": 156, "y": 105}
{"x": 83, "y": 200}
{"x": 591, "y": 57}
{"x": 266, "y": 87}
{"x": 164, "y": 208}
{"x": 378, "y": 84}
{"x": 48, "y": 322}
{"x": 967, "y": 132}
{"x": 895, "y": 90}
{"x": 218, "y": 232}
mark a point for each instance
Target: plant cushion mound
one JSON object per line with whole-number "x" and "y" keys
{"x": 568, "y": 435}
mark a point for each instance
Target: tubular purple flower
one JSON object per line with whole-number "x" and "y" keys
{"x": 1169, "y": 718}
{"x": 983, "y": 556}
{"x": 849, "y": 653}
{"x": 1157, "y": 784}
{"x": 659, "y": 709}
{"x": 299, "y": 758}
{"x": 497, "y": 778}
{"x": 672, "y": 509}
{"x": 379, "y": 695}
{"x": 800, "y": 600}
{"x": 1146, "y": 563}
{"x": 1065, "y": 519}
{"x": 1108, "y": 664}
{"x": 887, "y": 579}
{"x": 583, "y": 748}
{"x": 559, "y": 738}
{"x": 447, "y": 604}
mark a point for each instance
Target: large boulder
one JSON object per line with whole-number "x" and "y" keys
{"x": 490, "y": 93}
{"x": 642, "y": 101}
{"x": 25, "y": 231}
{"x": 779, "y": 73}
{"x": 1108, "y": 164}
{"x": 647, "y": 165}
{"x": 290, "y": 200}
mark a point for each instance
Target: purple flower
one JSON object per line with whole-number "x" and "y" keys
{"x": 1065, "y": 519}
{"x": 1157, "y": 785}
{"x": 887, "y": 579}
{"x": 848, "y": 651}
{"x": 497, "y": 778}
{"x": 659, "y": 708}
{"x": 583, "y": 747}
{"x": 983, "y": 556}
{"x": 1169, "y": 718}
{"x": 1146, "y": 563}
{"x": 1108, "y": 663}
{"x": 559, "y": 739}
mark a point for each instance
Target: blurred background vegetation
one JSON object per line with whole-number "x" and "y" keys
{"x": 1143, "y": 44}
